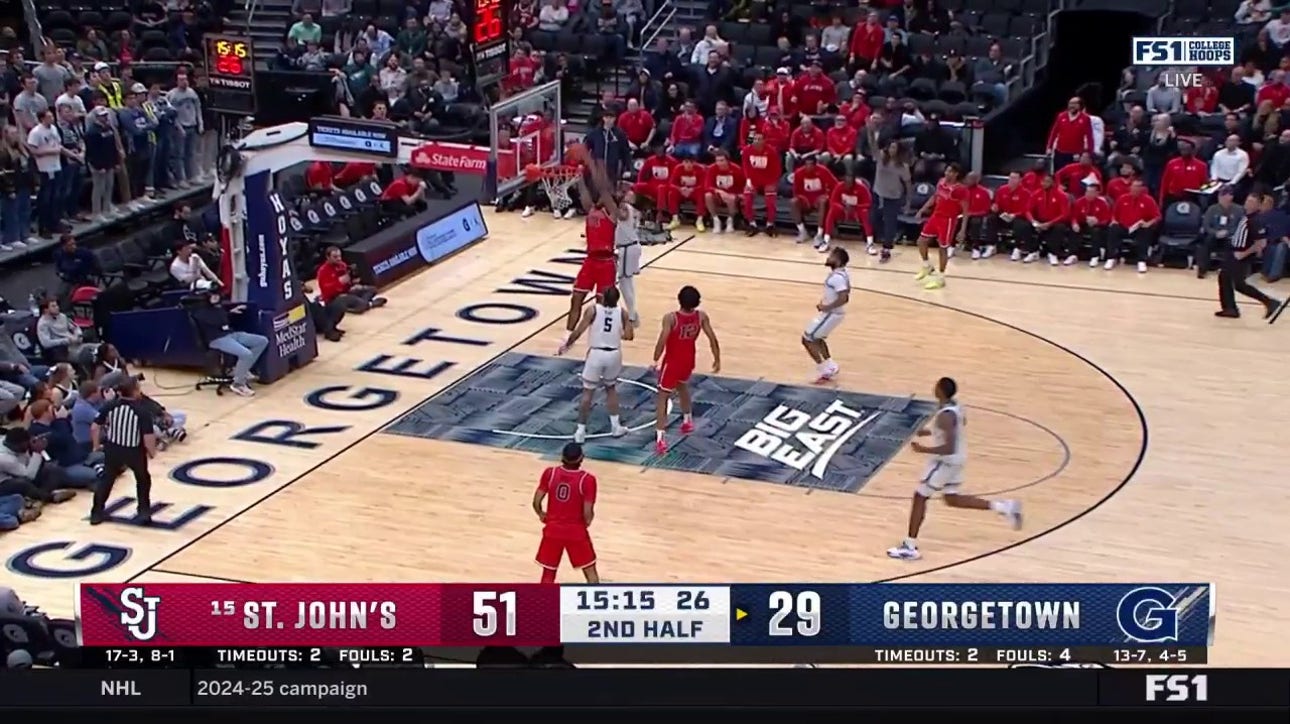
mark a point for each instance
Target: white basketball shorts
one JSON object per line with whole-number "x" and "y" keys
{"x": 940, "y": 477}
{"x": 629, "y": 260}
{"x": 602, "y": 368}
{"x": 822, "y": 325}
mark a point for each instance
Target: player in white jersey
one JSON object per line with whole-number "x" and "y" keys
{"x": 829, "y": 314}
{"x": 944, "y": 473}
{"x": 609, "y": 327}
{"x": 627, "y": 243}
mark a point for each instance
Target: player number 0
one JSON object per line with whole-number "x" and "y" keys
{"x": 805, "y": 607}
{"x": 487, "y": 617}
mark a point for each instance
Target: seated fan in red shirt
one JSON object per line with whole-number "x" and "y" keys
{"x": 405, "y": 196}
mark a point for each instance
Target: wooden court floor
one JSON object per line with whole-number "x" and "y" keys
{"x": 1144, "y": 436}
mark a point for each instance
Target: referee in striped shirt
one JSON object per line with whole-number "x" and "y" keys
{"x": 1249, "y": 239}
{"x": 125, "y": 431}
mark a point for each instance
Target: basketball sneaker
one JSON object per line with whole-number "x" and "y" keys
{"x": 675, "y": 224}
{"x": 934, "y": 281}
{"x": 580, "y": 434}
{"x": 699, "y": 225}
{"x": 1011, "y": 509}
{"x": 687, "y": 427}
{"x": 904, "y": 552}
{"x": 660, "y": 446}
{"x": 923, "y": 273}
{"x": 618, "y": 431}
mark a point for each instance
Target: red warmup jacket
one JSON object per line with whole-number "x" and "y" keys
{"x": 1183, "y": 175}
{"x": 694, "y": 176}
{"x": 1201, "y": 100}
{"x": 1098, "y": 207}
{"x": 729, "y": 179}
{"x": 781, "y": 94}
{"x": 522, "y": 72}
{"x": 1117, "y": 187}
{"x": 1070, "y": 177}
{"x": 329, "y": 284}
{"x": 657, "y": 170}
{"x": 1071, "y": 134}
{"x": 748, "y": 127}
{"x": 978, "y": 200}
{"x": 857, "y": 194}
{"x": 1032, "y": 181}
{"x": 1049, "y": 205}
{"x": 776, "y": 133}
{"x": 813, "y": 91}
{"x": 353, "y": 172}
{"x": 867, "y": 40}
{"x": 840, "y": 141}
{"x": 1275, "y": 93}
{"x": 1012, "y": 200}
{"x": 319, "y": 176}
{"x": 1131, "y": 208}
{"x": 857, "y": 113}
{"x": 636, "y": 125}
{"x": 761, "y": 166}
{"x": 813, "y": 183}
{"x": 804, "y": 141}
{"x": 687, "y": 129}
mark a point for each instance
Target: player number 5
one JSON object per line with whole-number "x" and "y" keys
{"x": 805, "y": 607}
{"x": 487, "y": 605}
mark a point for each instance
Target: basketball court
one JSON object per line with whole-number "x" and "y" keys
{"x": 1144, "y": 437}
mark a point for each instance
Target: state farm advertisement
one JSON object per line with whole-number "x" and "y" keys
{"x": 456, "y": 157}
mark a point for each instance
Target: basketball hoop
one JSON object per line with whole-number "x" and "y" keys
{"x": 556, "y": 182}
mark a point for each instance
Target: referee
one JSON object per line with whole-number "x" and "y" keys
{"x": 124, "y": 429}
{"x": 1246, "y": 242}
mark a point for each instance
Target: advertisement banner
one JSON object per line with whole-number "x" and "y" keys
{"x": 383, "y": 260}
{"x": 455, "y": 157}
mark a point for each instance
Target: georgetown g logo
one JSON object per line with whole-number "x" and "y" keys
{"x": 1148, "y": 615}
{"x": 140, "y": 613}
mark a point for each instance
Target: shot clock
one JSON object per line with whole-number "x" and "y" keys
{"x": 489, "y": 22}
{"x": 230, "y": 67}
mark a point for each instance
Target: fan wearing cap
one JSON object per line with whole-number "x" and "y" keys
{"x": 217, "y": 329}
{"x": 1074, "y": 177}
{"x": 781, "y": 93}
{"x": 137, "y": 128}
{"x": 109, "y": 86}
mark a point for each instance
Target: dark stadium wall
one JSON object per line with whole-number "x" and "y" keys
{"x": 1092, "y": 48}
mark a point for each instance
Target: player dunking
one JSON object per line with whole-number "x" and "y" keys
{"x": 829, "y": 314}
{"x": 674, "y": 358}
{"x": 627, "y": 244}
{"x": 571, "y": 507}
{"x": 949, "y": 211}
{"x": 944, "y": 472}
{"x": 599, "y": 268}
{"x": 609, "y": 327}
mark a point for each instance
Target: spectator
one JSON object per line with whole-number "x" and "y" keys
{"x": 806, "y": 141}
{"x": 894, "y": 65}
{"x": 91, "y": 45}
{"x": 1162, "y": 145}
{"x": 79, "y": 468}
{"x": 404, "y": 196}
{"x": 637, "y": 124}
{"x": 103, "y": 156}
{"x": 1164, "y": 98}
{"x": 1130, "y": 137}
{"x": 71, "y": 97}
{"x": 1133, "y": 220}
{"x": 440, "y": 10}
{"x": 935, "y": 147}
{"x": 662, "y": 64}
{"x": 46, "y": 145}
{"x": 553, "y": 17}
{"x": 1235, "y": 95}
{"x": 11, "y": 395}
{"x": 836, "y": 39}
{"x": 631, "y": 14}
{"x": 991, "y": 74}
{"x": 74, "y": 265}
{"x": 1253, "y": 12}
{"x": 790, "y": 58}
{"x": 71, "y": 181}
{"x": 393, "y": 79}
{"x": 60, "y": 340}
{"x": 816, "y": 92}
{"x": 1184, "y": 175}
{"x": 892, "y": 182}
{"x": 137, "y": 129}
{"x": 1071, "y": 134}
{"x": 779, "y": 92}
{"x": 927, "y": 65}
{"x": 14, "y": 512}
{"x": 1231, "y": 164}
{"x": 216, "y": 325}
{"x": 608, "y": 144}
{"x": 1216, "y": 229}
{"x": 714, "y": 82}
{"x": 866, "y": 44}
{"x": 85, "y": 410}
{"x": 721, "y": 131}
{"x": 188, "y": 267}
{"x": 337, "y": 289}
{"x": 23, "y": 469}
{"x": 1278, "y": 30}
{"x": 188, "y": 122}
{"x": 17, "y": 181}
{"x": 607, "y": 25}
{"x": 647, "y": 92}
{"x": 839, "y": 146}
{"x": 957, "y": 68}
{"x": 686, "y": 138}
{"x": 710, "y": 43}
{"x": 157, "y": 106}
{"x": 1274, "y": 163}
{"x": 50, "y": 75}
{"x": 326, "y": 319}
{"x": 305, "y": 30}
{"x": 412, "y": 39}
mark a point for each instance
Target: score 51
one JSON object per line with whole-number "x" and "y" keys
{"x": 494, "y": 610}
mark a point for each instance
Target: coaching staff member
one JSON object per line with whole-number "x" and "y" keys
{"x": 124, "y": 429}
{"x": 1245, "y": 244}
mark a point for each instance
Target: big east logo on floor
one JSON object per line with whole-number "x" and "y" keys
{"x": 800, "y": 440}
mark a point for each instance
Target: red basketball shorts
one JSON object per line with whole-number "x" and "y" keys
{"x": 673, "y": 373}
{"x": 940, "y": 228}
{"x": 595, "y": 275}
{"x": 553, "y": 547}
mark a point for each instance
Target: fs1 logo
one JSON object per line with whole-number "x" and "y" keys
{"x": 1148, "y": 615}
{"x": 1178, "y": 687}
{"x": 798, "y": 439}
{"x": 140, "y": 614}
{"x": 1184, "y": 51}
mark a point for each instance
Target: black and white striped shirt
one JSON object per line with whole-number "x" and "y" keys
{"x": 124, "y": 423}
{"x": 1242, "y": 238}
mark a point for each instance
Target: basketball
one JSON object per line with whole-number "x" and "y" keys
{"x": 575, "y": 153}
{"x": 533, "y": 172}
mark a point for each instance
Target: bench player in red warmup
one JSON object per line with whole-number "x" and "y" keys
{"x": 599, "y": 269}
{"x": 762, "y": 170}
{"x": 850, "y": 200}
{"x": 812, "y": 185}
{"x": 570, "y": 493}
{"x": 674, "y": 358}
{"x": 949, "y": 210}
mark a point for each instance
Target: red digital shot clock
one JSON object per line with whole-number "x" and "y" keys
{"x": 489, "y": 26}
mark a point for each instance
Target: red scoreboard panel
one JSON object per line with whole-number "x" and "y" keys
{"x": 489, "y": 24}
{"x": 230, "y": 66}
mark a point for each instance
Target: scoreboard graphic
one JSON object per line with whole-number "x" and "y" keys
{"x": 995, "y": 624}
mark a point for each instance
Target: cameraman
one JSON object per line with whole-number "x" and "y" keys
{"x": 336, "y": 286}
{"x": 213, "y": 319}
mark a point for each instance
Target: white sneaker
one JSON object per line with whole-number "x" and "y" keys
{"x": 1012, "y": 511}
{"x": 904, "y": 553}
{"x": 976, "y": 254}
{"x": 1142, "y": 267}
{"x": 951, "y": 251}
{"x": 989, "y": 252}
{"x": 821, "y": 245}
{"x": 871, "y": 249}
{"x": 1016, "y": 255}
{"x": 580, "y": 436}
{"x": 1070, "y": 260}
{"x": 730, "y": 225}
{"x": 619, "y": 431}
{"x": 570, "y": 212}
{"x": 1092, "y": 263}
{"x": 527, "y": 212}
{"x": 1031, "y": 257}
{"x": 1052, "y": 260}
{"x": 1110, "y": 264}
{"x": 242, "y": 390}
{"x": 557, "y": 213}
{"x": 803, "y": 237}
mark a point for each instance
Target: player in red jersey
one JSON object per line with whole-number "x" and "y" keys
{"x": 599, "y": 269}
{"x": 571, "y": 495}
{"x": 688, "y": 179}
{"x": 850, "y": 200}
{"x": 949, "y": 207}
{"x": 674, "y": 358}
{"x": 762, "y": 168}
{"x": 724, "y": 185}
{"x": 655, "y": 183}
{"x": 812, "y": 184}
